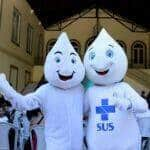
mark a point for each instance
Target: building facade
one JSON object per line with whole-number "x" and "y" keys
{"x": 82, "y": 30}
{"x": 24, "y": 42}
{"x": 21, "y": 41}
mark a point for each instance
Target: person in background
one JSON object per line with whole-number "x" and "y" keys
{"x": 20, "y": 121}
{"x": 143, "y": 94}
{"x": 148, "y": 99}
{"x": 35, "y": 117}
{"x": 3, "y": 117}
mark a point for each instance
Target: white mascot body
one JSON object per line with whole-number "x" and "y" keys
{"x": 61, "y": 99}
{"x": 111, "y": 104}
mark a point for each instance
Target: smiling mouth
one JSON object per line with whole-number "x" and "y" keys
{"x": 64, "y": 77}
{"x": 102, "y": 73}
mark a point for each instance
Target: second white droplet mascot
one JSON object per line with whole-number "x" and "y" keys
{"x": 60, "y": 99}
{"x": 111, "y": 103}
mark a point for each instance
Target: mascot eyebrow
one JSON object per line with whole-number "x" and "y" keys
{"x": 90, "y": 48}
{"x": 72, "y": 53}
{"x": 111, "y": 45}
{"x": 58, "y": 52}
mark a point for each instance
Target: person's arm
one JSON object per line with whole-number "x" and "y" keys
{"x": 28, "y": 102}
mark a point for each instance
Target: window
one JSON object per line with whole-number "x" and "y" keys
{"x": 29, "y": 39}
{"x": 89, "y": 41}
{"x": 39, "y": 51}
{"x": 16, "y": 24}
{"x": 76, "y": 45}
{"x": 13, "y": 76}
{"x": 50, "y": 45}
{"x": 122, "y": 44}
{"x": 1, "y": 5}
{"x": 139, "y": 54}
{"x": 27, "y": 77}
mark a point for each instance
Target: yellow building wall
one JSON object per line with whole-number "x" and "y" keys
{"x": 7, "y": 60}
{"x": 37, "y": 73}
{"x": 82, "y": 29}
{"x": 11, "y": 54}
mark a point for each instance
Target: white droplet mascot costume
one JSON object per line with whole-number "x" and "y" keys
{"x": 111, "y": 104}
{"x": 60, "y": 99}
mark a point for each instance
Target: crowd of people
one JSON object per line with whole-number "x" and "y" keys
{"x": 22, "y": 121}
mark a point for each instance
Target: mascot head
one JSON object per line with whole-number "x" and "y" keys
{"x": 63, "y": 67}
{"x": 105, "y": 61}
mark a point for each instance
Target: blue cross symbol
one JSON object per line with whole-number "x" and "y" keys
{"x": 105, "y": 109}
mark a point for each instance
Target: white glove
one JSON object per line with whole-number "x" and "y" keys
{"x": 5, "y": 89}
{"x": 122, "y": 102}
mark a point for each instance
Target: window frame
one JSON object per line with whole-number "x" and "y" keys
{"x": 39, "y": 59}
{"x": 1, "y": 8}
{"x": 29, "y": 41}
{"x": 16, "y": 42}
{"x": 48, "y": 43}
{"x": 78, "y": 44}
{"x": 27, "y": 73}
{"x": 89, "y": 40}
{"x": 138, "y": 59}
{"x": 124, "y": 45}
{"x": 13, "y": 67}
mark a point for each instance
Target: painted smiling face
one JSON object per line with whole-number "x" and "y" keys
{"x": 105, "y": 61}
{"x": 63, "y": 67}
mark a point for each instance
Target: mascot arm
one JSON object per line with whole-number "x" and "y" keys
{"x": 130, "y": 100}
{"x": 139, "y": 105}
{"x": 28, "y": 102}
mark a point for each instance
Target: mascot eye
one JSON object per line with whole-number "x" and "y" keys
{"x": 109, "y": 53}
{"x": 57, "y": 59}
{"x": 92, "y": 55}
{"x": 73, "y": 60}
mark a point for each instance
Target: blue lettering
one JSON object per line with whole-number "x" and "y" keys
{"x": 98, "y": 127}
{"x": 105, "y": 127}
{"x": 111, "y": 127}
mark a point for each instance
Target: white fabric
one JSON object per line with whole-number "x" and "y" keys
{"x": 121, "y": 130}
{"x": 39, "y": 131}
{"x": 16, "y": 120}
{"x": 4, "y": 136}
{"x": 143, "y": 115}
{"x": 3, "y": 119}
{"x": 111, "y": 106}
{"x": 20, "y": 121}
{"x": 144, "y": 123}
{"x": 61, "y": 100}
